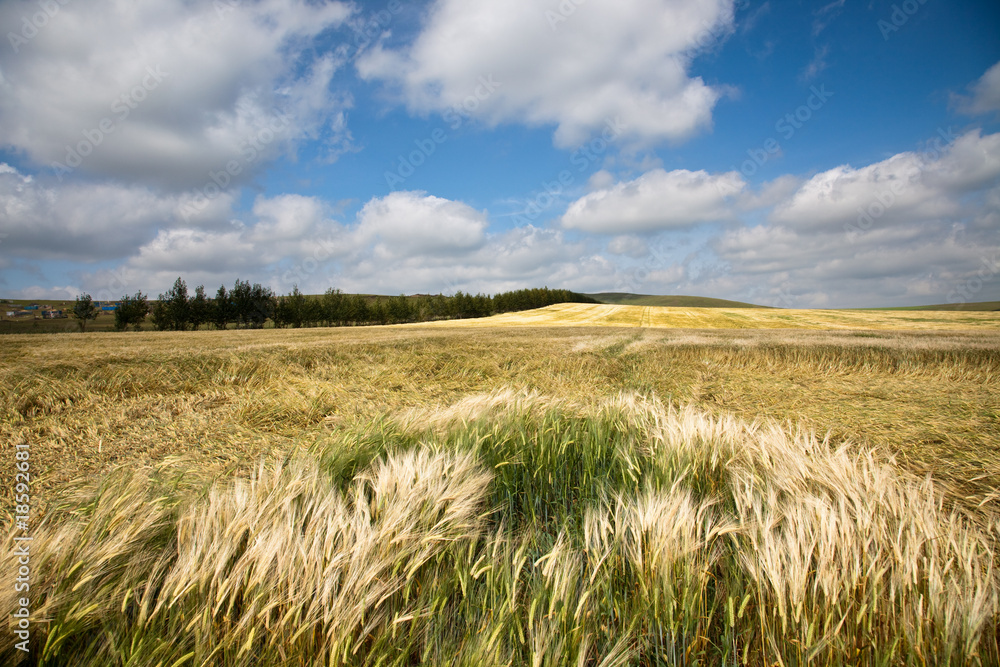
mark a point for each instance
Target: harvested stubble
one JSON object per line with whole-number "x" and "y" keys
{"x": 515, "y": 529}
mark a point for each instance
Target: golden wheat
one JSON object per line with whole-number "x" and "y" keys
{"x": 709, "y": 540}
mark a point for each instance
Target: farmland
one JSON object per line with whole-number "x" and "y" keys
{"x": 571, "y": 314}
{"x": 570, "y": 485}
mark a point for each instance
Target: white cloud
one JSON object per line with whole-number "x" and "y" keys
{"x": 600, "y": 180}
{"x": 467, "y": 260}
{"x": 80, "y": 222}
{"x": 285, "y": 234}
{"x": 656, "y": 200}
{"x": 902, "y": 189}
{"x": 404, "y": 242}
{"x": 924, "y": 263}
{"x": 985, "y": 94}
{"x": 162, "y": 93}
{"x": 631, "y": 246}
{"x": 927, "y": 243}
{"x": 927, "y": 250}
{"x": 825, "y": 15}
{"x": 569, "y": 64}
{"x": 188, "y": 250}
{"x": 414, "y": 223}
{"x": 817, "y": 64}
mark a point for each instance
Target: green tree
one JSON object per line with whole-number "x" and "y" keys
{"x": 241, "y": 300}
{"x": 335, "y": 307}
{"x": 199, "y": 309}
{"x": 295, "y": 307}
{"x": 177, "y": 313}
{"x": 399, "y": 309}
{"x": 263, "y": 303}
{"x": 222, "y": 308}
{"x": 160, "y": 315}
{"x": 131, "y": 311}
{"x": 253, "y": 304}
{"x": 312, "y": 312}
{"x": 358, "y": 310}
{"x": 378, "y": 312}
{"x": 84, "y": 309}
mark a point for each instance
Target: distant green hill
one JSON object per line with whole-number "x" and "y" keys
{"x": 627, "y": 299}
{"x": 978, "y": 306}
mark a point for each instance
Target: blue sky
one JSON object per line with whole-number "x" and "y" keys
{"x": 787, "y": 153}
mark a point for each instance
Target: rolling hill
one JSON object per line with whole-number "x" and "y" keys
{"x": 976, "y": 306}
{"x": 628, "y": 299}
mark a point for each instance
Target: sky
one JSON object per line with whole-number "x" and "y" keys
{"x": 790, "y": 154}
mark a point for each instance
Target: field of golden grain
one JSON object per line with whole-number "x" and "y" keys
{"x": 580, "y": 314}
{"x": 605, "y": 487}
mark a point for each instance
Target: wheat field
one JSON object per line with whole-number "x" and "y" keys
{"x": 510, "y": 494}
{"x": 580, "y": 314}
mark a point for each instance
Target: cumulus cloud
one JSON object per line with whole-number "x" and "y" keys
{"x": 403, "y": 242}
{"x": 897, "y": 266}
{"x": 517, "y": 258}
{"x": 415, "y": 223}
{"x": 902, "y": 189}
{"x": 575, "y": 65}
{"x": 631, "y": 246}
{"x": 163, "y": 93}
{"x": 80, "y": 222}
{"x": 984, "y": 94}
{"x": 656, "y": 200}
{"x": 915, "y": 228}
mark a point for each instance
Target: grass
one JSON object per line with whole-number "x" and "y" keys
{"x": 978, "y": 305}
{"x": 509, "y": 495}
{"x": 516, "y": 529}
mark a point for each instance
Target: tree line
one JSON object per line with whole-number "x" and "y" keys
{"x": 250, "y": 306}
